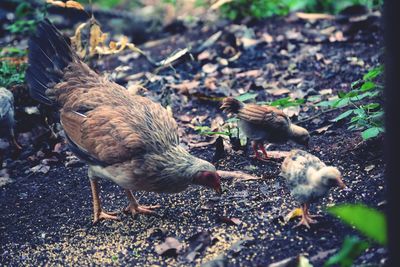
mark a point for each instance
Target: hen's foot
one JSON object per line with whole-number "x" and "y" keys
{"x": 102, "y": 215}
{"x": 134, "y": 209}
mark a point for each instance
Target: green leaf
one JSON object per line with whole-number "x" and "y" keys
{"x": 341, "y": 103}
{"x": 367, "y": 86}
{"x": 371, "y": 106}
{"x": 343, "y": 115}
{"x": 352, "y": 247}
{"x": 246, "y": 96}
{"x": 369, "y": 221}
{"x": 371, "y": 132}
{"x": 372, "y": 74}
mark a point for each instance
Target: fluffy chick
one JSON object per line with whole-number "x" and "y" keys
{"x": 262, "y": 123}
{"x": 7, "y": 120}
{"x": 308, "y": 179}
{"x": 126, "y": 138}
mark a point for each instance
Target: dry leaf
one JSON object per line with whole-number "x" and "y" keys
{"x": 297, "y": 212}
{"x": 278, "y": 91}
{"x": 249, "y": 73}
{"x": 323, "y": 129}
{"x": 73, "y": 4}
{"x": 56, "y": 3}
{"x": 314, "y": 16}
{"x": 231, "y": 221}
{"x": 170, "y": 247}
{"x": 210, "y": 68}
{"x": 186, "y": 87}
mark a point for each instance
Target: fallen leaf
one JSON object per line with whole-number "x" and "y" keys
{"x": 240, "y": 244}
{"x": 325, "y": 92}
{"x": 323, "y": 129}
{"x": 237, "y": 175}
{"x": 170, "y": 247}
{"x": 197, "y": 243}
{"x": 314, "y": 16}
{"x": 299, "y": 261}
{"x": 278, "y": 91}
{"x": 369, "y": 168}
{"x": 40, "y": 169}
{"x": 297, "y": 212}
{"x": 186, "y": 87}
{"x": 73, "y": 4}
{"x": 231, "y": 221}
{"x": 249, "y": 74}
{"x": 292, "y": 111}
{"x": 209, "y": 68}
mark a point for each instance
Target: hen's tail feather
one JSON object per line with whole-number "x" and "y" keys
{"x": 49, "y": 54}
{"x": 231, "y": 105}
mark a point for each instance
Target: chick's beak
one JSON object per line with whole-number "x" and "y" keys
{"x": 340, "y": 183}
{"x": 218, "y": 190}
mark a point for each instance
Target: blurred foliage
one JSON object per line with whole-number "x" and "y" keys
{"x": 11, "y": 74}
{"x": 26, "y": 18}
{"x": 258, "y": 9}
{"x": 352, "y": 248}
{"x": 369, "y": 221}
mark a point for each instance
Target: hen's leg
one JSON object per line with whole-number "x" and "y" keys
{"x": 134, "y": 207}
{"x": 306, "y": 219}
{"x": 261, "y": 146}
{"x": 255, "y": 146}
{"x": 98, "y": 212}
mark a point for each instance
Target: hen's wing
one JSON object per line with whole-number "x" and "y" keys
{"x": 267, "y": 116}
{"x": 107, "y": 125}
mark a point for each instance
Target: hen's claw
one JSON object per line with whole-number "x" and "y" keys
{"x": 103, "y": 215}
{"x": 134, "y": 209}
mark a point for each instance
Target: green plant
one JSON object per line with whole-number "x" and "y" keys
{"x": 364, "y": 98}
{"x": 11, "y": 74}
{"x": 352, "y": 247}
{"x": 238, "y": 9}
{"x": 26, "y": 18}
{"x": 368, "y": 221}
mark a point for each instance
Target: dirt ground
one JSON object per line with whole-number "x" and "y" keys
{"x": 46, "y": 217}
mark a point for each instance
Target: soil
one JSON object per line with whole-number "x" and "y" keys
{"x": 47, "y": 218}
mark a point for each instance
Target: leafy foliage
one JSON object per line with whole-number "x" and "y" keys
{"x": 26, "y": 18}
{"x": 370, "y": 222}
{"x": 238, "y": 9}
{"x": 366, "y": 113}
{"x": 11, "y": 74}
{"x": 352, "y": 247}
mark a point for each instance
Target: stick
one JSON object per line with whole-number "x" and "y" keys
{"x": 237, "y": 175}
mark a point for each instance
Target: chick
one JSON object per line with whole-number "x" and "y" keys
{"x": 264, "y": 124}
{"x": 126, "y": 138}
{"x": 7, "y": 120}
{"x": 308, "y": 179}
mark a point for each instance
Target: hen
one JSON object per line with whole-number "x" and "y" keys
{"x": 308, "y": 179}
{"x": 264, "y": 124}
{"x": 7, "y": 120}
{"x": 125, "y": 138}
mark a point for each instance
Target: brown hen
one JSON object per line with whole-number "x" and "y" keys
{"x": 125, "y": 138}
{"x": 262, "y": 123}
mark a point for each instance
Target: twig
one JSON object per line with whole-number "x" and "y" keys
{"x": 237, "y": 175}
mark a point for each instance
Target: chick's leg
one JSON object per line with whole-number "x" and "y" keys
{"x": 263, "y": 150}
{"x": 306, "y": 219}
{"x": 98, "y": 212}
{"x": 134, "y": 207}
{"x": 14, "y": 140}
